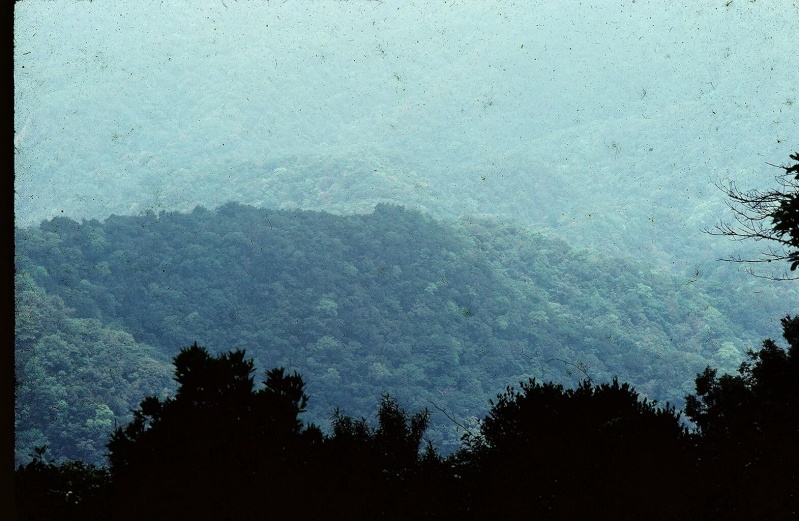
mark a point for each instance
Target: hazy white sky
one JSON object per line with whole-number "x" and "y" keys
{"x": 109, "y": 90}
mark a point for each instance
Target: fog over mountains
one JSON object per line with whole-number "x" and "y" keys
{"x": 608, "y": 122}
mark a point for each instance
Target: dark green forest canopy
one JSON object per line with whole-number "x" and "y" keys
{"x": 434, "y": 312}
{"x": 76, "y": 378}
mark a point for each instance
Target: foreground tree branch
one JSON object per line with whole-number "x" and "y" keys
{"x": 766, "y": 215}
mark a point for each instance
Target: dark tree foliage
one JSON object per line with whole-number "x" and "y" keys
{"x": 395, "y": 478}
{"x": 593, "y": 451}
{"x": 219, "y": 449}
{"x": 68, "y": 491}
{"x": 222, "y": 449}
{"x": 767, "y": 215}
{"x": 748, "y": 432}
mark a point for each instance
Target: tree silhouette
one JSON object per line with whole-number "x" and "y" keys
{"x": 762, "y": 397}
{"x": 748, "y": 432}
{"x": 597, "y": 450}
{"x": 394, "y": 478}
{"x": 767, "y": 215}
{"x": 218, "y": 449}
{"x": 71, "y": 490}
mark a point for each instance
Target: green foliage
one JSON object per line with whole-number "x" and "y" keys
{"x": 389, "y": 302}
{"x": 77, "y": 379}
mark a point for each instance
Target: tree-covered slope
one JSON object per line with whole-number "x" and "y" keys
{"x": 76, "y": 379}
{"x": 440, "y": 314}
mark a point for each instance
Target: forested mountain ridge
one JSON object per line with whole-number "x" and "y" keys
{"x": 434, "y": 312}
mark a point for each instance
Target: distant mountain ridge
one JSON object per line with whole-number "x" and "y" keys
{"x": 440, "y": 314}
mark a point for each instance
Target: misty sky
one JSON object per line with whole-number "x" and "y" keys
{"x": 116, "y": 94}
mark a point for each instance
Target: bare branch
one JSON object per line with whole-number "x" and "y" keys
{"x": 450, "y": 418}
{"x": 765, "y": 215}
{"x": 579, "y": 366}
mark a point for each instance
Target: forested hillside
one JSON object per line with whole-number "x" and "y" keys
{"x": 77, "y": 378}
{"x": 441, "y": 314}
